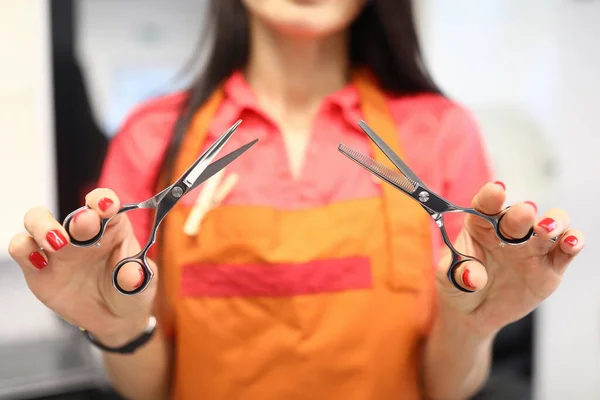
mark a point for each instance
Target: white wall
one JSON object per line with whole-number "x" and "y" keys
{"x": 529, "y": 69}
{"x": 132, "y": 48}
{"x": 27, "y": 174}
{"x": 26, "y": 156}
{"x": 570, "y": 324}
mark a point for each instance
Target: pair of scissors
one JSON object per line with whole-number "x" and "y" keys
{"x": 200, "y": 171}
{"x": 409, "y": 183}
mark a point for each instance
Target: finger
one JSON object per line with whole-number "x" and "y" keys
{"x": 130, "y": 276}
{"x": 489, "y": 201}
{"x": 518, "y": 220}
{"x": 471, "y": 275}
{"x": 552, "y": 224}
{"x": 104, "y": 201}
{"x": 84, "y": 225}
{"x": 26, "y": 252}
{"x": 46, "y": 231}
{"x": 569, "y": 245}
{"x": 101, "y": 203}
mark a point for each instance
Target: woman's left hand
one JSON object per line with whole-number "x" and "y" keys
{"x": 514, "y": 279}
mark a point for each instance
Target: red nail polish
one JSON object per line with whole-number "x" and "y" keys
{"x": 139, "y": 283}
{"x": 532, "y": 204}
{"x": 77, "y": 214}
{"x": 466, "y": 280}
{"x": 548, "y": 224}
{"x": 501, "y": 184}
{"x": 571, "y": 240}
{"x": 56, "y": 239}
{"x": 38, "y": 260}
{"x": 104, "y": 203}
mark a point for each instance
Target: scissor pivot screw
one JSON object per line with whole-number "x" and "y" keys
{"x": 177, "y": 192}
{"x": 423, "y": 196}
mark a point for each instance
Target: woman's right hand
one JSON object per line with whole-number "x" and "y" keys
{"x": 76, "y": 283}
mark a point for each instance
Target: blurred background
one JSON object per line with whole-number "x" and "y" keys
{"x": 72, "y": 69}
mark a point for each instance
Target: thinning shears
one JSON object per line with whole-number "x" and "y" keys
{"x": 409, "y": 183}
{"x": 200, "y": 171}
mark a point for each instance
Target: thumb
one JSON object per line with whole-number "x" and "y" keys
{"x": 129, "y": 277}
{"x": 470, "y": 275}
{"x": 467, "y": 273}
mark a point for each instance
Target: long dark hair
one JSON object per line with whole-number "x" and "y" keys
{"x": 383, "y": 39}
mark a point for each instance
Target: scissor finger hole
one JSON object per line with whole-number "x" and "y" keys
{"x": 453, "y": 273}
{"x": 82, "y": 243}
{"x": 509, "y": 240}
{"x": 135, "y": 279}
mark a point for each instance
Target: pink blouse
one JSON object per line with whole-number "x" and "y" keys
{"x": 441, "y": 141}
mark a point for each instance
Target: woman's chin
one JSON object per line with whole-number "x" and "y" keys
{"x": 305, "y": 31}
{"x": 305, "y": 19}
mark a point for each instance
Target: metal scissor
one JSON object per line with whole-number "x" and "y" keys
{"x": 163, "y": 202}
{"x": 409, "y": 183}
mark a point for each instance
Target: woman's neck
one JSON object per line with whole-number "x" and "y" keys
{"x": 292, "y": 76}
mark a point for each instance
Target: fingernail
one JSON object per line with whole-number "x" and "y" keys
{"x": 104, "y": 203}
{"x": 139, "y": 283}
{"x": 548, "y": 224}
{"x": 56, "y": 239}
{"x": 77, "y": 214}
{"x": 466, "y": 280}
{"x": 571, "y": 240}
{"x": 38, "y": 260}
{"x": 532, "y": 204}
{"x": 501, "y": 184}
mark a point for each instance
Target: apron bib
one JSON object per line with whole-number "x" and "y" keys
{"x": 360, "y": 274}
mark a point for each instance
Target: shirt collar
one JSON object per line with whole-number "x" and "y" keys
{"x": 347, "y": 100}
{"x": 240, "y": 98}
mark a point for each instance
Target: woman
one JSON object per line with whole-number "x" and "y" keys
{"x": 310, "y": 279}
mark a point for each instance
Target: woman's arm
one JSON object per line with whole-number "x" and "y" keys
{"x": 144, "y": 374}
{"x": 457, "y": 360}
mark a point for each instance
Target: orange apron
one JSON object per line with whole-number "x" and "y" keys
{"x": 351, "y": 329}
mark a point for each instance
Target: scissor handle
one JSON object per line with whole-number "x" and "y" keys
{"x": 494, "y": 220}
{"x": 103, "y": 223}
{"x": 457, "y": 260}
{"x": 139, "y": 259}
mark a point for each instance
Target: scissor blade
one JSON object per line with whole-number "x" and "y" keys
{"x": 220, "y": 164}
{"x": 154, "y": 200}
{"x": 196, "y": 169}
{"x": 389, "y": 153}
{"x": 392, "y": 177}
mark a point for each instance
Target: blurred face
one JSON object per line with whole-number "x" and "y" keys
{"x": 305, "y": 18}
